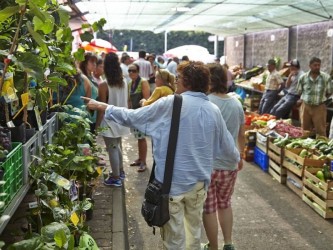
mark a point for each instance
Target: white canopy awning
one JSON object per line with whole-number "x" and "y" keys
{"x": 224, "y": 18}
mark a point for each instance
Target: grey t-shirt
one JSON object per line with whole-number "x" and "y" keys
{"x": 294, "y": 80}
{"x": 233, "y": 115}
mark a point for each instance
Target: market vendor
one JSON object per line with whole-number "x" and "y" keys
{"x": 314, "y": 87}
{"x": 283, "y": 107}
{"x": 272, "y": 88}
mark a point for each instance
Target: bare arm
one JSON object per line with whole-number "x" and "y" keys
{"x": 241, "y": 145}
{"x": 102, "y": 97}
{"x": 87, "y": 85}
{"x": 145, "y": 89}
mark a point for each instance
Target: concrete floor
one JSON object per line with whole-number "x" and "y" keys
{"x": 267, "y": 215}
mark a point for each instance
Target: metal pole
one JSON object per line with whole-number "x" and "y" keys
{"x": 216, "y": 46}
{"x": 165, "y": 41}
{"x": 131, "y": 44}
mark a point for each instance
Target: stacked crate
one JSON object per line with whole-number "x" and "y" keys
{"x": 276, "y": 169}
{"x": 295, "y": 166}
{"x": 317, "y": 193}
{"x": 260, "y": 152}
{"x": 250, "y": 143}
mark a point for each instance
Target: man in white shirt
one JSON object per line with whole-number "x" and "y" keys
{"x": 146, "y": 70}
{"x": 172, "y": 66}
{"x": 125, "y": 61}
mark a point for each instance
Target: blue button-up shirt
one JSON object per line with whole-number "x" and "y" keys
{"x": 202, "y": 137}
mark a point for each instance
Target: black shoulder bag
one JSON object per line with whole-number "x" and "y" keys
{"x": 155, "y": 207}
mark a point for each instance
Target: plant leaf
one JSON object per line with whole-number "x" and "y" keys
{"x": 38, "y": 38}
{"x": 71, "y": 243}
{"x": 7, "y": 12}
{"x": 65, "y": 67}
{"x": 31, "y": 64}
{"x": 60, "y": 238}
{"x": 55, "y": 80}
{"x": 36, "y": 11}
{"x": 79, "y": 55}
{"x": 44, "y": 24}
{"x": 64, "y": 17}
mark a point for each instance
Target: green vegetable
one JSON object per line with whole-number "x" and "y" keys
{"x": 304, "y": 153}
{"x": 320, "y": 175}
{"x": 282, "y": 142}
{"x": 294, "y": 144}
{"x": 327, "y": 172}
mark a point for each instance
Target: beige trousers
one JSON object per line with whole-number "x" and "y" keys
{"x": 314, "y": 116}
{"x": 183, "y": 230}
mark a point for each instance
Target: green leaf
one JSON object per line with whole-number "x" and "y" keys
{"x": 39, "y": 3}
{"x": 64, "y": 17}
{"x": 48, "y": 232}
{"x": 55, "y": 81}
{"x": 46, "y": 25}
{"x": 8, "y": 39}
{"x": 86, "y": 36}
{"x": 38, "y": 38}
{"x": 65, "y": 67}
{"x": 71, "y": 243}
{"x": 8, "y": 12}
{"x": 31, "y": 244}
{"x": 31, "y": 64}
{"x": 79, "y": 55}
{"x": 60, "y": 238}
{"x": 37, "y": 12}
{"x": 85, "y": 26}
{"x": 20, "y": 2}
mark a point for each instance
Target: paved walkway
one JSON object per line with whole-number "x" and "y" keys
{"x": 267, "y": 215}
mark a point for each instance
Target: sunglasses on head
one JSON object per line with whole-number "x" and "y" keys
{"x": 132, "y": 71}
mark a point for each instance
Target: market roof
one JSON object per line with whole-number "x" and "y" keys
{"x": 224, "y": 18}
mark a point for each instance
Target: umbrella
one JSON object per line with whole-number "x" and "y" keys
{"x": 194, "y": 52}
{"x": 98, "y": 46}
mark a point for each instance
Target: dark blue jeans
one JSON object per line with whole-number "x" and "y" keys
{"x": 283, "y": 107}
{"x": 267, "y": 102}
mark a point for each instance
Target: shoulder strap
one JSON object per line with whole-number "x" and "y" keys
{"x": 172, "y": 144}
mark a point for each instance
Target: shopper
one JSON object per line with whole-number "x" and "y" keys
{"x": 125, "y": 61}
{"x": 113, "y": 92}
{"x": 98, "y": 73}
{"x": 202, "y": 137}
{"x": 87, "y": 67}
{"x": 139, "y": 88}
{"x": 146, "y": 69}
{"x": 283, "y": 107}
{"x": 272, "y": 88}
{"x": 314, "y": 87}
{"x": 165, "y": 85}
{"x": 172, "y": 65}
{"x": 217, "y": 208}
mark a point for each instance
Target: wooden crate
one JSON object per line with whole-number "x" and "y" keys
{"x": 296, "y": 164}
{"x": 277, "y": 171}
{"x": 318, "y": 194}
{"x": 295, "y": 183}
{"x": 261, "y": 142}
{"x": 274, "y": 152}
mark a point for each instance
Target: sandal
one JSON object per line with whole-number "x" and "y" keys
{"x": 142, "y": 167}
{"x": 135, "y": 163}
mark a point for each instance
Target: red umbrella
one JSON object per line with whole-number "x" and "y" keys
{"x": 99, "y": 46}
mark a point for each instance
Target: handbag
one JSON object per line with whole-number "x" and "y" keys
{"x": 155, "y": 207}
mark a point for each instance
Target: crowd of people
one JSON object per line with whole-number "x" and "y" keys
{"x": 310, "y": 90}
{"x": 137, "y": 96}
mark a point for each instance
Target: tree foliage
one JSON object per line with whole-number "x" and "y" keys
{"x": 154, "y": 43}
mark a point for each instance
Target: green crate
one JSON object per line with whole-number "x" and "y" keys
{"x": 13, "y": 174}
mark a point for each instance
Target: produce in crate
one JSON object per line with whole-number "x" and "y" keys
{"x": 284, "y": 128}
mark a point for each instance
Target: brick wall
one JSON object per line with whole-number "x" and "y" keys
{"x": 302, "y": 42}
{"x": 312, "y": 40}
{"x": 235, "y": 47}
